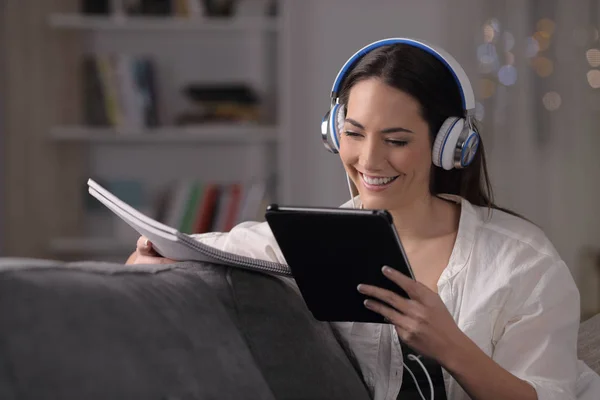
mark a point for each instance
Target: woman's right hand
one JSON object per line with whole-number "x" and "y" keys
{"x": 145, "y": 254}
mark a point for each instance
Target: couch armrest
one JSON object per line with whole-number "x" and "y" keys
{"x": 99, "y": 331}
{"x": 182, "y": 331}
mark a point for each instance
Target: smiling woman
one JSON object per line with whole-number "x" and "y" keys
{"x": 385, "y": 145}
{"x": 493, "y": 311}
{"x": 410, "y": 103}
{"x": 405, "y": 133}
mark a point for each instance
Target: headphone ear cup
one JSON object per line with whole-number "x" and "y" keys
{"x": 469, "y": 150}
{"x": 340, "y": 120}
{"x": 334, "y": 117}
{"x": 445, "y": 142}
{"x": 328, "y": 132}
{"x": 325, "y": 136}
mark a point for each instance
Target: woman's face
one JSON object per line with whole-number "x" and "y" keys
{"x": 385, "y": 146}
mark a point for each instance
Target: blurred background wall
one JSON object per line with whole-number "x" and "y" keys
{"x": 225, "y": 102}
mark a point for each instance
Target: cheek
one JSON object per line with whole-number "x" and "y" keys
{"x": 347, "y": 152}
{"x": 343, "y": 155}
{"x": 412, "y": 159}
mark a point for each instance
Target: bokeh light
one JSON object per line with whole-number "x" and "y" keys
{"x": 593, "y": 57}
{"x": 552, "y": 101}
{"x": 509, "y": 41}
{"x": 491, "y": 30}
{"x": 488, "y": 33}
{"x": 487, "y": 88}
{"x": 531, "y": 47}
{"x": 494, "y": 23}
{"x": 542, "y": 41}
{"x": 593, "y": 77}
{"x": 507, "y": 75}
{"x": 487, "y": 57}
{"x": 543, "y": 66}
{"x": 479, "y": 111}
{"x": 546, "y": 26}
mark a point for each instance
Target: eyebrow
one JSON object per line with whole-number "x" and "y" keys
{"x": 387, "y": 130}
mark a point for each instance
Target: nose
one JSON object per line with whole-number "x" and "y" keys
{"x": 372, "y": 154}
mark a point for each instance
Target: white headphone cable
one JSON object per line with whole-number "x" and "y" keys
{"x": 412, "y": 357}
{"x": 352, "y": 196}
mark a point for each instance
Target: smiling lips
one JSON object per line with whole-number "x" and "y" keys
{"x": 377, "y": 183}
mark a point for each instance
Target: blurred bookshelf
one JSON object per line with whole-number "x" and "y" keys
{"x": 180, "y": 113}
{"x": 149, "y": 23}
{"x": 201, "y": 134}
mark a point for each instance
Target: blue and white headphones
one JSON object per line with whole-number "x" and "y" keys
{"x": 457, "y": 140}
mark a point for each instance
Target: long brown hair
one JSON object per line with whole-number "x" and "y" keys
{"x": 425, "y": 78}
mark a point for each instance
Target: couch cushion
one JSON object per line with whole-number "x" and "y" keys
{"x": 589, "y": 343}
{"x": 299, "y": 356}
{"x": 184, "y": 331}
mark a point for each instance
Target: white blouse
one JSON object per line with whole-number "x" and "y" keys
{"x": 507, "y": 289}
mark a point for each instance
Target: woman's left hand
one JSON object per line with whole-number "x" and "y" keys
{"x": 422, "y": 322}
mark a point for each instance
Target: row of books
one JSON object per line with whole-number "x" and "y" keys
{"x": 189, "y": 205}
{"x": 198, "y": 207}
{"x": 119, "y": 90}
{"x": 188, "y": 8}
{"x": 181, "y": 8}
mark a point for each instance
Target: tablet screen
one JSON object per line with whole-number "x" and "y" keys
{"x": 330, "y": 251}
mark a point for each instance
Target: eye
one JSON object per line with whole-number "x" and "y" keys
{"x": 350, "y": 133}
{"x": 399, "y": 143}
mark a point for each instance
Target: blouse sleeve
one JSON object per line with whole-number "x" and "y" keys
{"x": 251, "y": 239}
{"x": 538, "y": 339}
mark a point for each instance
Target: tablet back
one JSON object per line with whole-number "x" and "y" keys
{"x": 330, "y": 251}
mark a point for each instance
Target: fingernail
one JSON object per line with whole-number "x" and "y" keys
{"x": 146, "y": 243}
{"x": 360, "y": 288}
{"x": 386, "y": 270}
{"x": 367, "y": 303}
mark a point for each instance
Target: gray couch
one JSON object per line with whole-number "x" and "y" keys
{"x": 183, "y": 331}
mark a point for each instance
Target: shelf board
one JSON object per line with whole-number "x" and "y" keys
{"x": 217, "y": 134}
{"x": 167, "y": 23}
{"x": 91, "y": 246}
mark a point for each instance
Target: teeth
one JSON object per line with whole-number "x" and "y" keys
{"x": 377, "y": 181}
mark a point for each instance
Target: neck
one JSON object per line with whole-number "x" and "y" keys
{"x": 425, "y": 217}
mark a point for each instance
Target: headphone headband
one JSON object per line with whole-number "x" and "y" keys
{"x": 464, "y": 85}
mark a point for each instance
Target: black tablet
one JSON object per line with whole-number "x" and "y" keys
{"x": 330, "y": 251}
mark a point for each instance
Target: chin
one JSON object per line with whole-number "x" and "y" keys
{"x": 378, "y": 201}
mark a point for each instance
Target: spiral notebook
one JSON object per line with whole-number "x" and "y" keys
{"x": 173, "y": 244}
